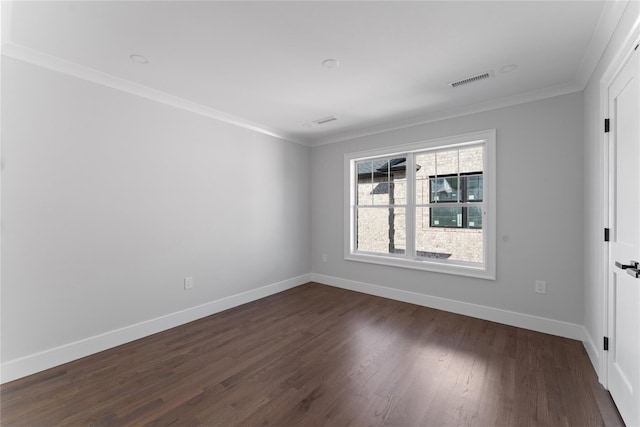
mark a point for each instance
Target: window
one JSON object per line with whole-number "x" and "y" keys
{"x": 428, "y": 206}
{"x": 446, "y": 189}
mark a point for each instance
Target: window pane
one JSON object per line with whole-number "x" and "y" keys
{"x": 455, "y": 244}
{"x": 444, "y": 189}
{"x": 381, "y": 230}
{"x": 398, "y": 169}
{"x": 364, "y": 194}
{"x": 425, "y": 165}
{"x": 381, "y": 194}
{"x": 448, "y": 207}
{"x": 425, "y": 168}
{"x": 364, "y": 185}
{"x": 422, "y": 191}
{"x": 447, "y": 163}
{"x": 471, "y": 159}
{"x": 364, "y": 171}
{"x": 474, "y": 188}
{"x": 446, "y": 217}
{"x": 474, "y": 217}
{"x": 381, "y": 170}
{"x": 398, "y": 194}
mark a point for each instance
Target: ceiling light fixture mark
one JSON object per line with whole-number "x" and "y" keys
{"x": 331, "y": 64}
{"x": 140, "y": 59}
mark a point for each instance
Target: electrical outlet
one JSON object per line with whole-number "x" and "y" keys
{"x": 541, "y": 287}
{"x": 324, "y": 257}
{"x": 188, "y": 283}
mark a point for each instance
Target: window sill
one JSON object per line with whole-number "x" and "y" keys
{"x": 441, "y": 266}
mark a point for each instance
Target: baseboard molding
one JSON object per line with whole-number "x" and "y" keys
{"x": 511, "y": 318}
{"x": 592, "y": 351}
{"x": 33, "y": 363}
{"x": 37, "y": 362}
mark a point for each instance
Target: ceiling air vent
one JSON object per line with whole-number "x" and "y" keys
{"x": 471, "y": 79}
{"x": 325, "y": 120}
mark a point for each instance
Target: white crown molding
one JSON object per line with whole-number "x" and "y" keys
{"x": 18, "y": 368}
{"x": 610, "y": 16}
{"x": 494, "y": 104}
{"x": 511, "y": 318}
{"x": 35, "y": 57}
{"x": 32, "y": 56}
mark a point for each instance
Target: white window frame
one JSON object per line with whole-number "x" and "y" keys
{"x": 485, "y": 270}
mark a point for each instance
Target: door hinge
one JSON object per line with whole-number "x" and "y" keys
{"x": 606, "y": 125}
{"x": 606, "y": 234}
{"x": 606, "y": 343}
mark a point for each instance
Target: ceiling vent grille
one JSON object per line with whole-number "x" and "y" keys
{"x": 325, "y": 120}
{"x": 471, "y": 79}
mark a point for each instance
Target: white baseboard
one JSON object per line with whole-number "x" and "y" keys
{"x": 592, "y": 351}
{"x": 37, "y": 362}
{"x": 511, "y": 318}
{"x": 598, "y": 358}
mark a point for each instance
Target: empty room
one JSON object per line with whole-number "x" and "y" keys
{"x": 320, "y": 213}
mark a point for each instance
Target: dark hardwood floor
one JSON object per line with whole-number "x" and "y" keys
{"x": 317, "y": 355}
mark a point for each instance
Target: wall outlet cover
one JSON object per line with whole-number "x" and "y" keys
{"x": 541, "y": 287}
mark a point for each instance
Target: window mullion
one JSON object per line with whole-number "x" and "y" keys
{"x": 425, "y": 240}
{"x": 410, "y": 212}
{"x": 354, "y": 207}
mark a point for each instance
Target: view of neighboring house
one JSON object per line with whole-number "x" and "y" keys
{"x": 448, "y": 191}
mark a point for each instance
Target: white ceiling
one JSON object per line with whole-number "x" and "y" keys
{"x": 258, "y": 64}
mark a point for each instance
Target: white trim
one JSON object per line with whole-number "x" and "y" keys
{"x": 486, "y": 271}
{"x": 33, "y": 363}
{"x": 602, "y": 369}
{"x": 611, "y": 13}
{"x": 592, "y": 351}
{"x": 613, "y": 68}
{"x": 460, "y": 139}
{"x": 437, "y": 116}
{"x": 35, "y": 57}
{"x": 609, "y": 18}
{"x": 410, "y": 214}
{"x": 511, "y": 318}
{"x": 434, "y": 266}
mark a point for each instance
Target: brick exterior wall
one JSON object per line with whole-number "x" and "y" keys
{"x": 374, "y": 224}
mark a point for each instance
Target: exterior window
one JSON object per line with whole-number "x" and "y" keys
{"x": 428, "y": 206}
{"x": 468, "y": 191}
{"x": 382, "y": 189}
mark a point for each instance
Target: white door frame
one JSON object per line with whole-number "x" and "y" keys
{"x": 613, "y": 69}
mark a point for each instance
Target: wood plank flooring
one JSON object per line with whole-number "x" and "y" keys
{"x": 317, "y": 355}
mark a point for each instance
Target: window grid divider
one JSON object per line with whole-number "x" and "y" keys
{"x": 486, "y": 269}
{"x": 410, "y": 214}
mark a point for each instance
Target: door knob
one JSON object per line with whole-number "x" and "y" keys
{"x": 633, "y": 272}
{"x": 631, "y": 265}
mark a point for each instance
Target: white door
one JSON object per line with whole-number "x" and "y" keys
{"x": 624, "y": 286}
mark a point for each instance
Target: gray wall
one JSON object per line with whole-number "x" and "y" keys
{"x": 539, "y": 211}
{"x": 110, "y": 200}
{"x": 594, "y": 202}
